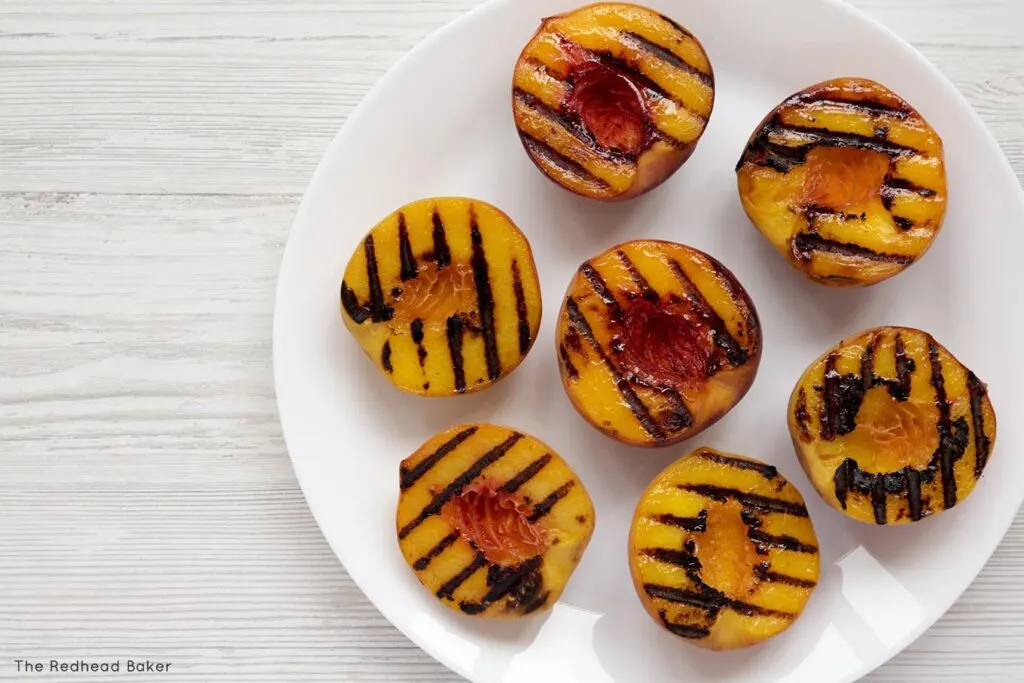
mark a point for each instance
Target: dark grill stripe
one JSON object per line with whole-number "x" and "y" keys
{"x": 766, "y": 471}
{"x": 676, "y": 558}
{"x": 525, "y": 338}
{"x": 879, "y": 502}
{"x": 946, "y": 451}
{"x": 484, "y": 297}
{"x": 385, "y": 357}
{"x": 409, "y": 269}
{"x": 782, "y": 542}
{"x": 570, "y": 370}
{"x": 456, "y": 327}
{"x": 601, "y": 289}
{"x": 766, "y": 574}
{"x": 872, "y": 108}
{"x": 544, "y": 507}
{"x": 688, "y": 631}
{"x": 516, "y": 482}
{"x": 805, "y": 244}
{"x": 982, "y": 443}
{"x": 843, "y": 480}
{"x": 543, "y": 150}
{"x": 460, "y": 482}
{"x": 867, "y": 364}
{"x": 698, "y": 523}
{"x": 751, "y": 500}
{"x": 442, "y": 545}
{"x": 913, "y": 492}
{"x": 711, "y": 601}
{"x": 676, "y": 25}
{"x": 442, "y": 253}
{"x": 894, "y": 187}
{"x": 679, "y": 417}
{"x": 512, "y": 579}
{"x": 646, "y": 291}
{"x": 350, "y": 302}
{"x": 573, "y": 128}
{"x": 734, "y": 353}
{"x": 640, "y": 410}
{"x": 831, "y": 138}
{"x": 904, "y": 370}
{"x": 408, "y": 477}
{"x": 379, "y": 311}
{"x": 830, "y": 399}
{"x": 801, "y": 414}
{"x": 448, "y": 588}
{"x": 638, "y": 42}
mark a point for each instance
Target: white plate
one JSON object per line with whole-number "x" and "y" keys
{"x": 441, "y": 124}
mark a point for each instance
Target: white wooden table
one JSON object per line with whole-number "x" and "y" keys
{"x": 152, "y": 155}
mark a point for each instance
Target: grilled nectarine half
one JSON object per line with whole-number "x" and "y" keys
{"x": 611, "y": 99}
{"x": 846, "y": 180}
{"x": 891, "y": 427}
{"x": 722, "y": 550}
{"x": 492, "y": 521}
{"x": 656, "y": 341}
{"x": 443, "y": 295}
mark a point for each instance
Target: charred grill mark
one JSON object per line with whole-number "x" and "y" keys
{"x": 766, "y": 471}
{"x": 734, "y": 352}
{"x": 913, "y": 493}
{"x": 639, "y": 409}
{"x": 801, "y": 414}
{"x": 843, "y": 479}
{"x": 484, "y": 298}
{"x": 712, "y": 601}
{"x": 516, "y": 482}
{"x": 751, "y": 500}
{"x": 830, "y": 138}
{"x": 873, "y": 108}
{"x": 903, "y": 223}
{"x": 904, "y": 370}
{"x": 830, "y": 404}
{"x": 782, "y": 542}
{"x": 385, "y": 357}
{"x": 409, "y": 269}
{"x": 460, "y": 482}
{"x": 944, "y": 426}
{"x": 646, "y": 291}
{"x": 879, "y": 503}
{"x": 763, "y": 152}
{"x": 409, "y": 476}
{"x": 443, "y": 545}
{"x": 456, "y": 328}
{"x": 543, "y": 150}
{"x": 674, "y": 24}
{"x": 672, "y": 59}
{"x": 841, "y": 400}
{"x": 601, "y": 289}
{"x": 764, "y": 573}
{"x": 867, "y": 364}
{"x": 805, "y": 244}
{"x": 442, "y": 253}
{"x": 448, "y": 588}
{"x": 379, "y": 311}
{"x": 521, "y": 309}
{"x": 982, "y": 443}
{"x": 521, "y": 583}
{"x": 689, "y": 631}
{"x": 350, "y": 302}
{"x": 893, "y": 187}
{"x": 678, "y": 417}
{"x": 696, "y": 524}
{"x": 570, "y": 369}
{"x": 416, "y": 327}
{"x": 541, "y": 509}
{"x": 676, "y": 558}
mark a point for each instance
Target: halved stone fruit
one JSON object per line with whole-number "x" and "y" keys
{"x": 846, "y": 180}
{"x": 492, "y": 521}
{"x": 443, "y": 295}
{"x": 611, "y": 99}
{"x": 891, "y": 427}
{"x": 656, "y": 342}
{"x": 722, "y": 550}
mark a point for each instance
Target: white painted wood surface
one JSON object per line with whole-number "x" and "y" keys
{"x": 152, "y": 155}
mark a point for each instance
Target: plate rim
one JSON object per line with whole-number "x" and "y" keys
{"x": 284, "y": 279}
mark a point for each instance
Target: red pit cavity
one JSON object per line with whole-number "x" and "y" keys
{"x": 610, "y": 106}
{"x": 666, "y": 346}
{"x": 497, "y": 523}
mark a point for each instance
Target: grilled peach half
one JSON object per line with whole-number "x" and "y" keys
{"x": 611, "y": 99}
{"x": 443, "y": 295}
{"x": 891, "y": 427}
{"x": 722, "y": 551}
{"x": 847, "y": 181}
{"x": 492, "y": 521}
{"x": 656, "y": 342}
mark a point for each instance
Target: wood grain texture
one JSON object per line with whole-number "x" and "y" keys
{"x": 152, "y": 153}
